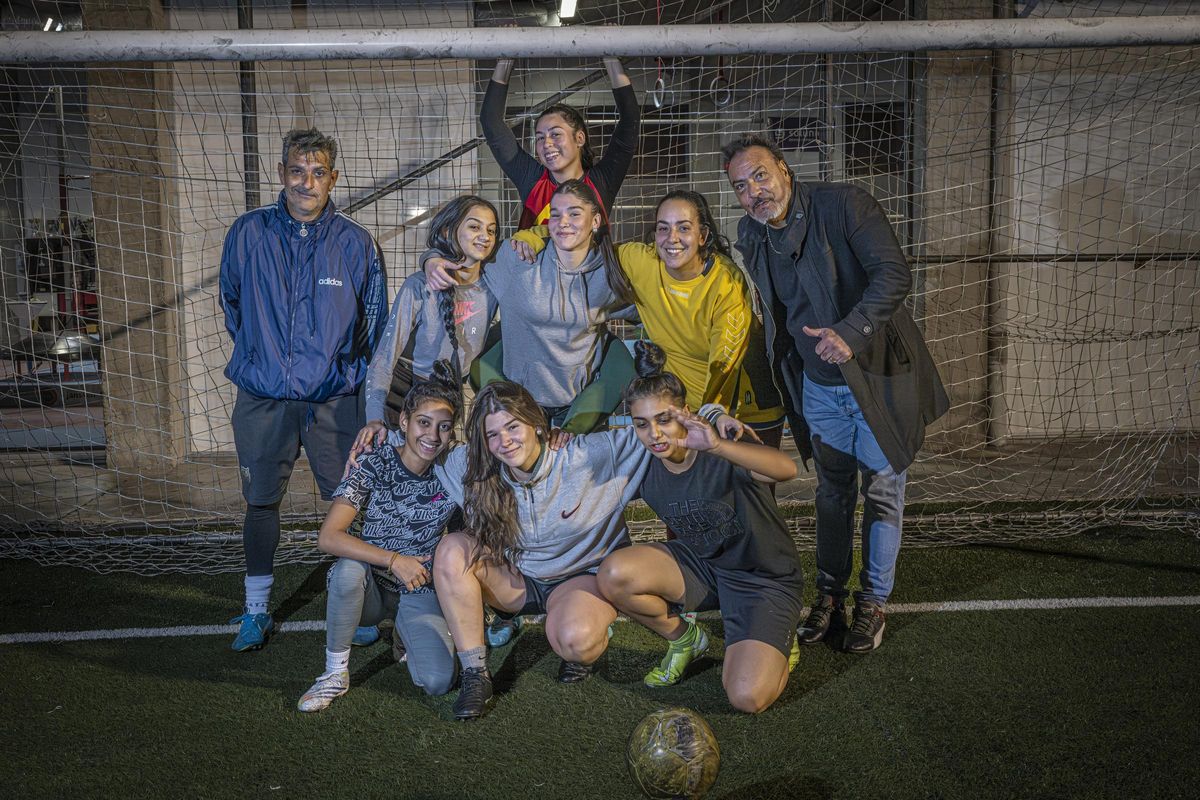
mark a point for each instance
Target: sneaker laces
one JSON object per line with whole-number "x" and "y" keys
{"x": 473, "y": 687}
{"x": 865, "y": 622}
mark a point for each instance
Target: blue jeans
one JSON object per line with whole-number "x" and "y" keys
{"x": 843, "y": 446}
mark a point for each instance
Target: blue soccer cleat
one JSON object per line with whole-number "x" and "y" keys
{"x": 365, "y": 635}
{"x": 253, "y": 634}
{"x": 502, "y": 631}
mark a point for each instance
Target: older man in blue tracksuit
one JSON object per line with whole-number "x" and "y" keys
{"x": 859, "y": 383}
{"x": 305, "y": 300}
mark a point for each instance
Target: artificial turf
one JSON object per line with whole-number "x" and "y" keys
{"x": 1067, "y": 703}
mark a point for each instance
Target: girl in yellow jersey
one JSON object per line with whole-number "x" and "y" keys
{"x": 695, "y": 303}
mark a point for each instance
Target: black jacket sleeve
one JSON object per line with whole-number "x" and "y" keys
{"x": 520, "y": 167}
{"x": 609, "y": 172}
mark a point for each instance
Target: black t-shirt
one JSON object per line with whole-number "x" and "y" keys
{"x": 724, "y": 516}
{"x": 792, "y": 304}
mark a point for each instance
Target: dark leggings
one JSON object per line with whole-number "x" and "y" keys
{"x": 260, "y": 538}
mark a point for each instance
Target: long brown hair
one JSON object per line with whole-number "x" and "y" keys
{"x": 618, "y": 283}
{"x": 490, "y": 503}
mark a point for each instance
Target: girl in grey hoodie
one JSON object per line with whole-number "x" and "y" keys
{"x": 555, "y": 313}
{"x": 539, "y": 522}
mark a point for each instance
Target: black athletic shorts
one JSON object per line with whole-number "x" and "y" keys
{"x": 537, "y": 594}
{"x": 268, "y": 435}
{"x": 752, "y": 606}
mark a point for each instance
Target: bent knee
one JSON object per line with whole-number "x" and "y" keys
{"x": 748, "y": 696}
{"x": 453, "y": 555}
{"x": 581, "y": 643}
{"x": 435, "y": 685}
{"x": 749, "y": 702}
{"x": 347, "y": 576}
{"x": 616, "y": 577}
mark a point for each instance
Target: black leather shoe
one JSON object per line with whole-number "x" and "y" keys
{"x": 474, "y": 694}
{"x": 827, "y": 616}
{"x": 573, "y": 672}
{"x": 866, "y": 632}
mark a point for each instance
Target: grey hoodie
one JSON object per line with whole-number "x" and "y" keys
{"x": 571, "y": 510}
{"x": 553, "y": 321}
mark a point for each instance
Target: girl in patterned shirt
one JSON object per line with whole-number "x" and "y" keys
{"x": 388, "y": 571}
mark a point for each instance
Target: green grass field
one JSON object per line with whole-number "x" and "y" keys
{"x": 1082, "y": 702}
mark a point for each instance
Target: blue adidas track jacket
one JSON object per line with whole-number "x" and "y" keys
{"x": 305, "y": 303}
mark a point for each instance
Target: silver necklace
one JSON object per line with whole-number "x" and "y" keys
{"x": 771, "y": 244}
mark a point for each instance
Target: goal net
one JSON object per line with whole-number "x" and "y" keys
{"x": 1048, "y": 201}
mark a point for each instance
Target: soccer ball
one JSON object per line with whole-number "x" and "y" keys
{"x": 673, "y": 753}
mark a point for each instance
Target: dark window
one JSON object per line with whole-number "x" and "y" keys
{"x": 874, "y": 139}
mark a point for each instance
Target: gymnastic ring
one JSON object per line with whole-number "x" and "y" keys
{"x": 722, "y": 94}
{"x": 659, "y": 93}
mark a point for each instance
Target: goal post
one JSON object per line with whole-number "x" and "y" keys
{"x": 1042, "y": 173}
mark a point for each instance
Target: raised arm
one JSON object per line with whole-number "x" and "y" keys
{"x": 766, "y": 464}
{"x": 520, "y": 167}
{"x": 609, "y": 172}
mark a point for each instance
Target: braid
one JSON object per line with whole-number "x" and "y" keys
{"x": 446, "y": 306}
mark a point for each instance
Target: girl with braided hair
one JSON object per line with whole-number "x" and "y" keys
{"x": 427, "y": 325}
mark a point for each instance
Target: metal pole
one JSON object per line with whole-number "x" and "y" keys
{"x": 246, "y": 78}
{"x": 25, "y": 47}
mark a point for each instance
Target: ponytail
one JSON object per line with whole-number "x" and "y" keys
{"x": 649, "y": 360}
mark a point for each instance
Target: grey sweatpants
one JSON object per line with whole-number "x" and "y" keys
{"x": 355, "y": 598}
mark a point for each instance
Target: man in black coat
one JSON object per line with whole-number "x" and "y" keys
{"x": 858, "y": 382}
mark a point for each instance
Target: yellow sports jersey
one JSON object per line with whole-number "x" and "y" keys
{"x": 704, "y": 325}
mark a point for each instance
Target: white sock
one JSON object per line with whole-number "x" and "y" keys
{"x": 337, "y": 662}
{"x": 258, "y": 593}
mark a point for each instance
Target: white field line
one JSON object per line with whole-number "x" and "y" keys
{"x": 1047, "y": 604}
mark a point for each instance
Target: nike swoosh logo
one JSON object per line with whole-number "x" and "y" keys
{"x": 566, "y": 514}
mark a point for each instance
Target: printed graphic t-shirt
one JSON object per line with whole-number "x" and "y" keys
{"x": 404, "y": 512}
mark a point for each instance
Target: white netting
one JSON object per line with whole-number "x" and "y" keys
{"x": 1049, "y": 201}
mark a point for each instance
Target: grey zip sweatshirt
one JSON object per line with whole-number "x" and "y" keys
{"x": 553, "y": 321}
{"x": 571, "y": 510}
{"x": 416, "y": 335}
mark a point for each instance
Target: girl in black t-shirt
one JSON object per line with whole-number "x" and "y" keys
{"x": 732, "y": 550}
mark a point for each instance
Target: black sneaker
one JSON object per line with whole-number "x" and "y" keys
{"x": 866, "y": 632}
{"x": 573, "y": 672}
{"x": 827, "y": 616}
{"x": 474, "y": 694}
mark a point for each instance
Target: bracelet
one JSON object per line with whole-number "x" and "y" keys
{"x": 391, "y": 561}
{"x": 711, "y": 412}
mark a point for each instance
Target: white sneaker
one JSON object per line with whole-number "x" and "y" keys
{"x": 322, "y": 693}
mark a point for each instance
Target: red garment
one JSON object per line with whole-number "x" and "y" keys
{"x": 536, "y": 210}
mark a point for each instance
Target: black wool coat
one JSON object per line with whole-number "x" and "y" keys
{"x": 856, "y": 277}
